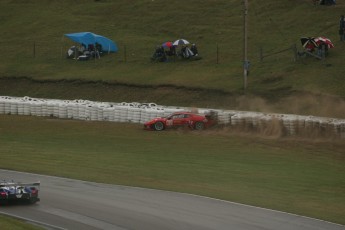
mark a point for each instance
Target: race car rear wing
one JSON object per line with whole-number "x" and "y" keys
{"x": 34, "y": 184}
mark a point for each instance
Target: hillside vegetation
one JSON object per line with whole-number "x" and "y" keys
{"x": 33, "y": 46}
{"x": 299, "y": 176}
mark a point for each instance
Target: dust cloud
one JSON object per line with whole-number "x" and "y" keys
{"x": 300, "y": 104}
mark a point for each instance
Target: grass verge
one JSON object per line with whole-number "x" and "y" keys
{"x": 8, "y": 223}
{"x": 38, "y": 50}
{"x": 302, "y": 177}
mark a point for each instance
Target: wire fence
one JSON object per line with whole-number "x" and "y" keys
{"x": 38, "y": 49}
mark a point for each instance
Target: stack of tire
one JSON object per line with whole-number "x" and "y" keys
{"x": 142, "y": 112}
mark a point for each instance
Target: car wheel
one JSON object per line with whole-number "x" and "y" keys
{"x": 199, "y": 125}
{"x": 158, "y": 126}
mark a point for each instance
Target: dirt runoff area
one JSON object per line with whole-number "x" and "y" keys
{"x": 301, "y": 103}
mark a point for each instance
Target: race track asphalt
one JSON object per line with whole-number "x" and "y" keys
{"x": 74, "y": 204}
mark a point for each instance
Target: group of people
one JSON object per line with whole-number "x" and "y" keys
{"x": 83, "y": 52}
{"x": 311, "y": 49}
{"x": 163, "y": 54}
{"x": 321, "y": 48}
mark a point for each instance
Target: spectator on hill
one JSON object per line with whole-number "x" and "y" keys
{"x": 310, "y": 47}
{"x": 327, "y": 2}
{"x": 159, "y": 54}
{"x": 171, "y": 51}
{"x": 90, "y": 47}
{"x": 342, "y": 28}
{"x": 186, "y": 53}
{"x": 82, "y": 48}
{"x": 194, "y": 49}
{"x": 99, "y": 47}
{"x": 322, "y": 50}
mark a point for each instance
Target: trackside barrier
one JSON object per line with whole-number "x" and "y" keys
{"x": 135, "y": 112}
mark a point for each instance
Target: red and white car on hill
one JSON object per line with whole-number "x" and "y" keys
{"x": 180, "y": 119}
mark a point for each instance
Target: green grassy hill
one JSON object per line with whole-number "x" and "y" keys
{"x": 33, "y": 45}
{"x": 33, "y": 64}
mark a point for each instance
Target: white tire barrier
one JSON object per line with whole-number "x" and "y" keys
{"x": 140, "y": 113}
{"x": 2, "y": 105}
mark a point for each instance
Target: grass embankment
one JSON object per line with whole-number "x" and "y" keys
{"x": 141, "y": 25}
{"x": 303, "y": 177}
{"x": 14, "y": 224}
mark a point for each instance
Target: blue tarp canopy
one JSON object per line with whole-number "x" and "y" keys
{"x": 88, "y": 38}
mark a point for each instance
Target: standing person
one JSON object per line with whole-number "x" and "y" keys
{"x": 342, "y": 28}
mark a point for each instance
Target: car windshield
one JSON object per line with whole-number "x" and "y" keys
{"x": 178, "y": 116}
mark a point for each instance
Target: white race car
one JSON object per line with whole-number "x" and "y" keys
{"x": 14, "y": 191}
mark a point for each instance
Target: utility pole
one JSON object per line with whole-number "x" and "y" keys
{"x": 245, "y": 46}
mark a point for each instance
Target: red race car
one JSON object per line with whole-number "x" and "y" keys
{"x": 180, "y": 119}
